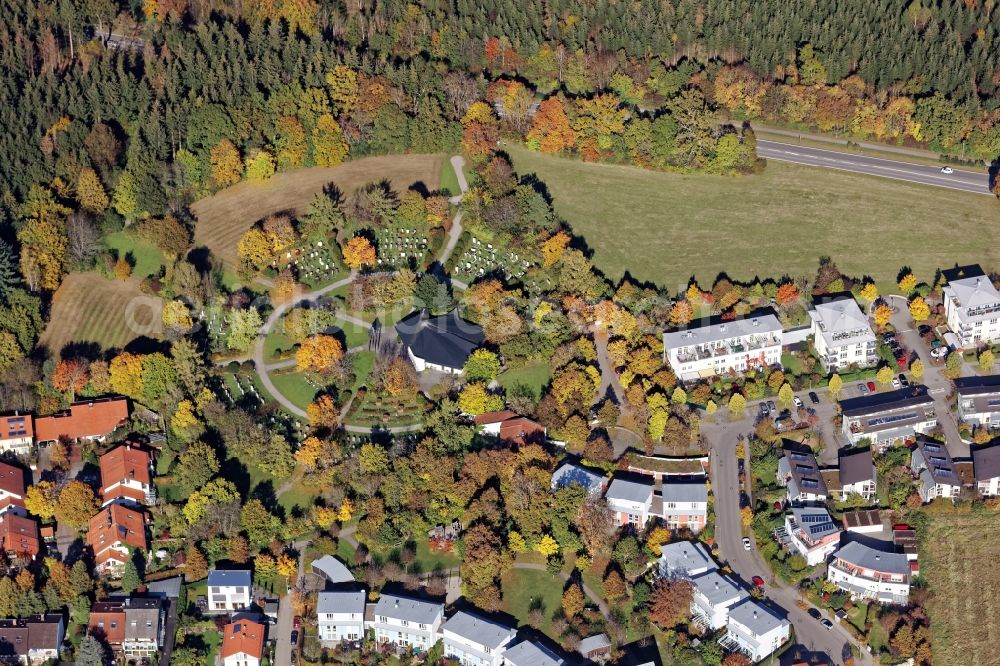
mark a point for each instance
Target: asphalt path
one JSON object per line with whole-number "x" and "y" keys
{"x": 962, "y": 179}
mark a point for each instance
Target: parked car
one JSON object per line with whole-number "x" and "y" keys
{"x": 939, "y": 352}
{"x": 294, "y": 657}
{"x": 758, "y": 581}
{"x": 947, "y": 170}
{"x": 814, "y": 613}
{"x": 888, "y": 338}
{"x": 924, "y": 329}
{"x": 864, "y": 389}
{"x": 771, "y": 408}
{"x": 294, "y": 638}
{"x": 764, "y": 411}
{"x": 813, "y": 397}
{"x": 901, "y": 526}
{"x": 797, "y": 401}
{"x": 826, "y": 623}
{"x": 746, "y": 543}
{"x": 297, "y": 622}
{"x": 896, "y": 384}
{"x": 903, "y": 380}
{"x": 871, "y": 386}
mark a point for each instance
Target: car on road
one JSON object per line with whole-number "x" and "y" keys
{"x": 904, "y": 382}
{"x": 814, "y": 613}
{"x": 864, "y": 388}
{"x": 297, "y": 622}
{"x": 939, "y": 352}
{"x": 826, "y": 623}
{"x": 798, "y": 401}
{"x": 871, "y": 386}
{"x": 758, "y": 581}
{"x": 746, "y": 543}
{"x": 294, "y": 638}
{"x": 947, "y": 170}
{"x": 896, "y": 384}
{"x": 813, "y": 398}
{"x": 294, "y": 657}
{"x": 764, "y": 411}
{"x": 771, "y": 408}
{"x": 924, "y": 329}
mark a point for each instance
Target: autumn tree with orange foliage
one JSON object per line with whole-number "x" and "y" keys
{"x": 554, "y": 247}
{"x": 669, "y": 603}
{"x": 787, "y": 293}
{"x": 550, "y": 128}
{"x": 480, "y": 132}
{"x": 71, "y": 376}
{"x": 319, "y": 353}
{"x": 359, "y": 252}
{"x": 322, "y": 413}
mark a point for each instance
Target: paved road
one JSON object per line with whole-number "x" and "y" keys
{"x": 961, "y": 179}
{"x": 746, "y": 564}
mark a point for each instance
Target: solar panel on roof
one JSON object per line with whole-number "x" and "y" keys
{"x": 993, "y": 402}
{"x": 882, "y": 420}
{"x": 799, "y": 456}
{"x": 816, "y": 529}
{"x": 804, "y": 468}
{"x": 814, "y": 518}
{"x": 810, "y": 483}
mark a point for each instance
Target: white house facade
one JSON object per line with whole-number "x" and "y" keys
{"x": 474, "y": 640}
{"x": 229, "y": 590}
{"x": 755, "y": 630}
{"x": 340, "y": 616}
{"x": 812, "y": 533}
{"x": 630, "y": 502}
{"x": 407, "y": 622}
{"x": 972, "y": 308}
{"x": 979, "y": 400}
{"x": 716, "y": 347}
{"x": 712, "y": 595}
{"x": 867, "y": 573}
{"x": 842, "y": 334}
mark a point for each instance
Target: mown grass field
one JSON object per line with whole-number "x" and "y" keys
{"x": 957, "y": 553}
{"x": 226, "y": 215}
{"x": 111, "y": 313}
{"x": 526, "y": 589}
{"x": 667, "y": 227}
{"x": 148, "y": 260}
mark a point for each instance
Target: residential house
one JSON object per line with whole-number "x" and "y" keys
{"x": 986, "y": 470}
{"x": 107, "y": 622}
{"x": 441, "y": 343}
{"x": 112, "y": 533}
{"x": 799, "y": 472}
{"x": 931, "y": 463}
{"x": 868, "y": 573}
{"x": 511, "y": 427}
{"x": 857, "y": 474}
{"x": 842, "y": 334}
{"x": 971, "y": 306}
{"x": 685, "y": 559}
{"x": 16, "y": 434}
{"x": 242, "y": 643}
{"x": 333, "y": 571}
{"x": 888, "y": 418}
{"x": 715, "y": 346}
{"x": 12, "y": 489}
{"x": 755, "y": 630}
{"x": 33, "y": 640}
{"x": 812, "y": 533}
{"x": 19, "y": 536}
{"x": 144, "y": 627}
{"x": 94, "y": 419}
{"x": 475, "y": 640}
{"x": 229, "y": 590}
{"x": 979, "y": 400}
{"x": 341, "y": 616}
{"x": 531, "y": 653}
{"x": 127, "y": 476}
{"x": 868, "y": 521}
{"x": 595, "y": 648}
{"x": 685, "y": 504}
{"x": 593, "y": 481}
{"x": 407, "y": 622}
{"x": 712, "y": 595}
{"x": 630, "y": 501}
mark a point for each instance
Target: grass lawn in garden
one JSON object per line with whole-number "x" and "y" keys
{"x": 666, "y": 227}
{"x": 526, "y": 589}
{"x": 277, "y": 344}
{"x": 225, "y": 216}
{"x": 533, "y": 375}
{"x": 90, "y": 308}
{"x": 354, "y": 335}
{"x": 433, "y": 560}
{"x": 299, "y": 495}
{"x": 295, "y": 387}
{"x": 791, "y": 364}
{"x": 345, "y": 551}
{"x": 449, "y": 181}
{"x": 148, "y": 258}
{"x": 212, "y": 640}
{"x": 857, "y": 616}
{"x": 964, "y": 604}
{"x": 363, "y": 364}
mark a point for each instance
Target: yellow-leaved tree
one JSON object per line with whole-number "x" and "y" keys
{"x": 319, "y": 353}
{"x": 359, "y": 252}
{"x": 226, "y": 165}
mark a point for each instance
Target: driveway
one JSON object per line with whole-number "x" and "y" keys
{"x": 721, "y": 439}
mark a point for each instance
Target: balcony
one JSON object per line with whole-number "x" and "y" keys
{"x": 727, "y": 348}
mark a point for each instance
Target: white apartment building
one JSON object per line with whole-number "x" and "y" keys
{"x": 715, "y": 347}
{"x": 933, "y": 466}
{"x": 888, "y": 418}
{"x": 340, "y": 616}
{"x": 979, "y": 400}
{"x": 972, "y": 306}
{"x": 712, "y": 595}
{"x": 812, "y": 533}
{"x": 986, "y": 469}
{"x": 630, "y": 502}
{"x": 229, "y": 590}
{"x": 842, "y": 335}
{"x": 685, "y": 559}
{"x": 685, "y": 504}
{"x": 531, "y": 653}
{"x": 474, "y": 640}
{"x": 407, "y": 622}
{"x": 16, "y": 433}
{"x": 867, "y": 573}
{"x": 755, "y": 630}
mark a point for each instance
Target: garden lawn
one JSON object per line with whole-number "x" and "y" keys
{"x": 449, "y": 181}
{"x": 667, "y": 227}
{"x": 299, "y": 495}
{"x": 534, "y": 375}
{"x": 293, "y": 385}
{"x": 363, "y": 364}
{"x": 526, "y": 589}
{"x": 433, "y": 560}
{"x": 212, "y": 640}
{"x": 791, "y": 364}
{"x": 148, "y": 259}
{"x": 956, "y": 550}
{"x": 277, "y": 344}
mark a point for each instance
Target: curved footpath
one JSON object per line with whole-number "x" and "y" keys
{"x": 264, "y": 369}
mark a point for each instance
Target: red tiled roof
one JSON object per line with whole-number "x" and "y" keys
{"x": 521, "y": 430}
{"x": 107, "y": 621}
{"x": 124, "y": 463}
{"x": 495, "y": 417}
{"x": 15, "y": 426}
{"x": 115, "y": 524}
{"x": 19, "y": 535}
{"x": 11, "y": 483}
{"x": 96, "y": 418}
{"x": 244, "y": 637}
